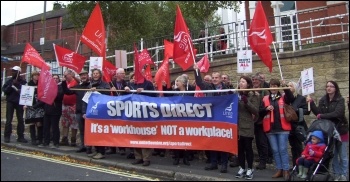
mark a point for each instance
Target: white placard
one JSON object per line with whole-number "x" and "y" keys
{"x": 244, "y": 61}
{"x": 307, "y": 82}
{"x": 95, "y": 63}
{"x": 120, "y": 59}
{"x": 87, "y": 96}
{"x": 26, "y": 96}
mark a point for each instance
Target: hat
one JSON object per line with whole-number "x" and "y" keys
{"x": 83, "y": 72}
{"x": 17, "y": 68}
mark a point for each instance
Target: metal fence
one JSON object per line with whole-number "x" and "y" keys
{"x": 290, "y": 35}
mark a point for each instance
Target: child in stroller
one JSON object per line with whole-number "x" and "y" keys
{"x": 312, "y": 153}
{"x": 321, "y": 168}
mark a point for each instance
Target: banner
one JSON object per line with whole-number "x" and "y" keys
{"x": 179, "y": 122}
{"x": 307, "y": 82}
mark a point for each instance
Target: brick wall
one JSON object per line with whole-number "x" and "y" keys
{"x": 329, "y": 63}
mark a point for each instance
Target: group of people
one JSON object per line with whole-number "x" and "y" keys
{"x": 220, "y": 43}
{"x": 261, "y": 117}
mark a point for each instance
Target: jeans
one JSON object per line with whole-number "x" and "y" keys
{"x": 340, "y": 160}
{"x": 279, "y": 146}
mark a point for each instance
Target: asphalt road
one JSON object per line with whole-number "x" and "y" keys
{"x": 21, "y": 166}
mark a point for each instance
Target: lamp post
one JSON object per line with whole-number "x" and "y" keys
{"x": 42, "y": 39}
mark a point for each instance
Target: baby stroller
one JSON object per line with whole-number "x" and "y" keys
{"x": 320, "y": 171}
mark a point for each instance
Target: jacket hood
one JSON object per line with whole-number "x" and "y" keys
{"x": 319, "y": 135}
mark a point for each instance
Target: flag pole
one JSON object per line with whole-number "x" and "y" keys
{"x": 194, "y": 60}
{"x": 279, "y": 66}
{"x": 76, "y": 51}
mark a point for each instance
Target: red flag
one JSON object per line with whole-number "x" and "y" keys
{"x": 183, "y": 46}
{"x": 260, "y": 36}
{"x": 163, "y": 75}
{"x": 69, "y": 59}
{"x": 148, "y": 73}
{"x": 138, "y": 75}
{"x": 47, "y": 87}
{"x": 168, "y": 49}
{"x": 203, "y": 64}
{"x": 108, "y": 70}
{"x": 198, "y": 94}
{"x": 31, "y": 56}
{"x": 94, "y": 33}
{"x": 144, "y": 58}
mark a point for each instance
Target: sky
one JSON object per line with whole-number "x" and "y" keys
{"x": 16, "y": 10}
{"x": 12, "y": 11}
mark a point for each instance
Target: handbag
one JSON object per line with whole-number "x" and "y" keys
{"x": 290, "y": 114}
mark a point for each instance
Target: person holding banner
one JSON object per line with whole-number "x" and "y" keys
{"x": 12, "y": 90}
{"x": 142, "y": 155}
{"x": 247, "y": 106}
{"x": 97, "y": 83}
{"x": 181, "y": 85}
{"x": 332, "y": 107}
{"x": 35, "y": 117}
{"x": 215, "y": 85}
{"x": 300, "y": 107}
{"x": 84, "y": 84}
{"x": 276, "y": 126}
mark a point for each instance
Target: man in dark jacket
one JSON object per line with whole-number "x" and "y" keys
{"x": 12, "y": 90}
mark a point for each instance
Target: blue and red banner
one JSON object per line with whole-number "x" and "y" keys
{"x": 178, "y": 122}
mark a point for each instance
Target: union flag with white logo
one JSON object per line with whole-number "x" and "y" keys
{"x": 69, "y": 59}
{"x": 259, "y": 36}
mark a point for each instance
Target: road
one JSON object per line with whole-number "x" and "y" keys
{"x": 23, "y": 166}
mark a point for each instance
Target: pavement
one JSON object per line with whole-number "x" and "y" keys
{"x": 161, "y": 168}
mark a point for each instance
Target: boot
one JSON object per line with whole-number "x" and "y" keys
{"x": 304, "y": 175}
{"x": 286, "y": 175}
{"x": 176, "y": 161}
{"x": 32, "y": 134}
{"x": 301, "y": 169}
{"x": 261, "y": 165}
{"x": 73, "y": 141}
{"x": 64, "y": 141}
{"x": 185, "y": 161}
{"x": 278, "y": 174}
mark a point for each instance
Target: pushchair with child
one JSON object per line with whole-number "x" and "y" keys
{"x": 320, "y": 171}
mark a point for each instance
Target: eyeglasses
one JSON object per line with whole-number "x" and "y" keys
{"x": 224, "y": 78}
{"x": 331, "y": 86}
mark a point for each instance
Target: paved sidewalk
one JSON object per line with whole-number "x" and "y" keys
{"x": 161, "y": 167}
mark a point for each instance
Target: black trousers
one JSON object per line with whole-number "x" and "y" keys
{"x": 245, "y": 151}
{"x": 216, "y": 155}
{"x": 81, "y": 124}
{"x": 262, "y": 143}
{"x": 296, "y": 147}
{"x": 51, "y": 124}
{"x": 10, "y": 109}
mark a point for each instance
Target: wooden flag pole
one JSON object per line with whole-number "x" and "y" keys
{"x": 194, "y": 60}
{"x": 308, "y": 104}
{"x": 279, "y": 65}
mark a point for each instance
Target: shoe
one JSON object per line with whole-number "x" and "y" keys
{"x": 286, "y": 175}
{"x": 92, "y": 154}
{"x": 55, "y": 146}
{"x": 130, "y": 156}
{"x": 241, "y": 173}
{"x": 22, "y": 140}
{"x": 211, "y": 167}
{"x": 82, "y": 149}
{"x": 88, "y": 150}
{"x": 64, "y": 141}
{"x": 342, "y": 178}
{"x": 73, "y": 142}
{"x": 7, "y": 139}
{"x": 138, "y": 161}
{"x": 261, "y": 166}
{"x": 162, "y": 154}
{"x": 43, "y": 145}
{"x": 223, "y": 169}
{"x": 301, "y": 169}
{"x": 278, "y": 174}
{"x": 176, "y": 162}
{"x": 249, "y": 174}
{"x": 186, "y": 162}
{"x": 146, "y": 163}
{"x": 98, "y": 156}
